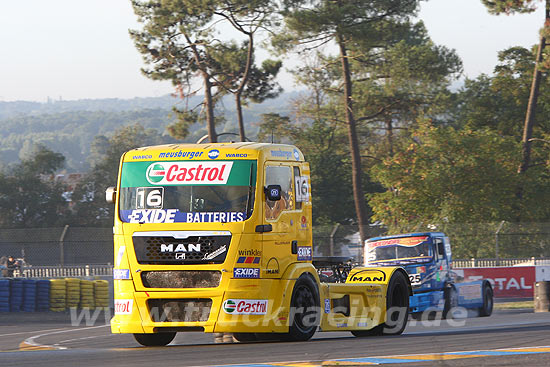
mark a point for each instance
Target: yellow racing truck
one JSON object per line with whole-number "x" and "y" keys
{"x": 218, "y": 238}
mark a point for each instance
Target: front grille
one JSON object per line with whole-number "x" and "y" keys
{"x": 181, "y": 279}
{"x": 179, "y": 310}
{"x": 196, "y": 249}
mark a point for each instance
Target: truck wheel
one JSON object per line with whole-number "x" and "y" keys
{"x": 451, "y": 302}
{"x": 487, "y": 308}
{"x": 397, "y": 308}
{"x": 245, "y": 337}
{"x": 154, "y": 340}
{"x": 304, "y": 310}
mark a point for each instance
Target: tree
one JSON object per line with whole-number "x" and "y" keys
{"x": 248, "y": 17}
{"x": 525, "y": 6}
{"x": 310, "y": 25}
{"x": 400, "y": 81}
{"x": 457, "y": 179}
{"x": 175, "y": 42}
{"x": 30, "y": 196}
{"x": 89, "y": 196}
{"x": 499, "y": 101}
{"x": 447, "y": 173}
{"x": 179, "y": 40}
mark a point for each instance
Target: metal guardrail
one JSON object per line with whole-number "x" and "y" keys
{"x": 107, "y": 269}
{"x": 490, "y": 263}
{"x": 64, "y": 271}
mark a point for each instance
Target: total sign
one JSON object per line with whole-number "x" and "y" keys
{"x": 245, "y": 306}
{"x": 512, "y": 281}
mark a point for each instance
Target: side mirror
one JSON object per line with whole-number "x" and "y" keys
{"x": 110, "y": 195}
{"x": 273, "y": 192}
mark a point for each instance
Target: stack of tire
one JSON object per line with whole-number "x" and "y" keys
{"x": 16, "y": 295}
{"x": 29, "y": 295}
{"x": 4, "y": 295}
{"x": 87, "y": 299}
{"x": 101, "y": 291}
{"x": 73, "y": 292}
{"x": 58, "y": 295}
{"x": 42, "y": 295}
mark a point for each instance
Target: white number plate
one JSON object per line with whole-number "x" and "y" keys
{"x": 415, "y": 279}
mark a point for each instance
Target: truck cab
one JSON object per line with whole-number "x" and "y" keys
{"x": 427, "y": 258}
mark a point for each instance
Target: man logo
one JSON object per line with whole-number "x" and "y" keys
{"x": 213, "y": 154}
{"x": 155, "y": 173}
{"x": 370, "y": 275}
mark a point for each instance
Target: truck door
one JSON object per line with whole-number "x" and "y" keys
{"x": 442, "y": 263}
{"x": 282, "y": 244}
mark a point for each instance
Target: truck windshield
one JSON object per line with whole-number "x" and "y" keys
{"x": 187, "y": 191}
{"x": 400, "y": 250}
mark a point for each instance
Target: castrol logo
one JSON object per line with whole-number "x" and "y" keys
{"x": 188, "y": 173}
{"x": 123, "y": 306}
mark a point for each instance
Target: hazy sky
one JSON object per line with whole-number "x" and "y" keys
{"x": 73, "y": 49}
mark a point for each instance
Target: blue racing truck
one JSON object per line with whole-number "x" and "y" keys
{"x": 427, "y": 258}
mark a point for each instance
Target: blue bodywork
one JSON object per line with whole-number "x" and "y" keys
{"x": 427, "y": 258}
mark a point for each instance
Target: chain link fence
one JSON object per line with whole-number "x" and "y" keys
{"x": 496, "y": 240}
{"x": 58, "y": 246}
{"x": 68, "y": 246}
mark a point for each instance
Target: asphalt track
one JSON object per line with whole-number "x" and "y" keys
{"x": 508, "y": 338}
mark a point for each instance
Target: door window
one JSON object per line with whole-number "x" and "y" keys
{"x": 279, "y": 175}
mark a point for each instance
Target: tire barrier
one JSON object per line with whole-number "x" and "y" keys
{"x": 29, "y": 295}
{"x": 87, "y": 299}
{"x": 101, "y": 293}
{"x": 16, "y": 295}
{"x": 73, "y": 292}
{"x": 32, "y": 295}
{"x": 58, "y": 295}
{"x": 42, "y": 295}
{"x": 4, "y": 295}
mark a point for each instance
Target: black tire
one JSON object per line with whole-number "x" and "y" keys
{"x": 245, "y": 337}
{"x": 397, "y": 306}
{"x": 304, "y": 310}
{"x": 451, "y": 302}
{"x": 487, "y": 308}
{"x": 154, "y": 340}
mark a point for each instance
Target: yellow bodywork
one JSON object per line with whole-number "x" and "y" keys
{"x": 360, "y": 303}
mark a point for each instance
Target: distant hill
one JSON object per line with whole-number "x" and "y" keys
{"x": 19, "y": 108}
{"x": 69, "y": 127}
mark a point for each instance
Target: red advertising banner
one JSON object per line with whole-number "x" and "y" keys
{"x": 507, "y": 282}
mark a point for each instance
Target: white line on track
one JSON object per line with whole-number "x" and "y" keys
{"x": 87, "y": 337}
{"x": 31, "y": 341}
{"x": 30, "y": 332}
{"x": 473, "y": 328}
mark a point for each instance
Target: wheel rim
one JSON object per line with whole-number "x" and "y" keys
{"x": 303, "y": 304}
